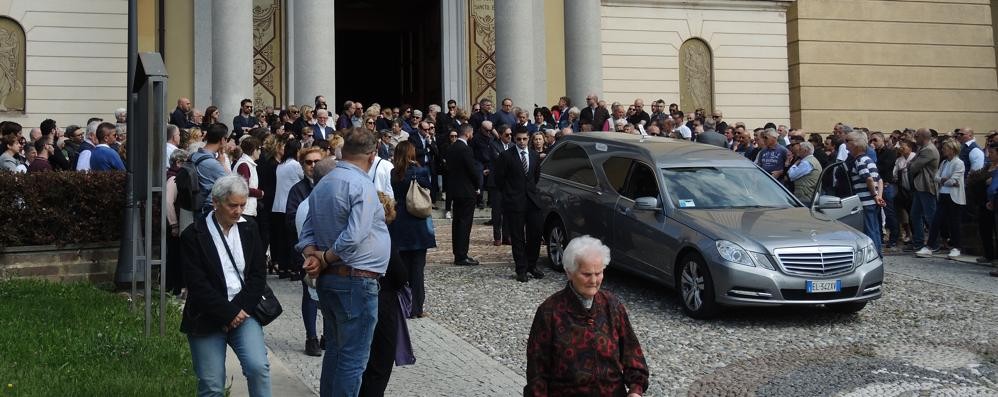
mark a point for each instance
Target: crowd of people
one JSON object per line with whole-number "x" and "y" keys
{"x": 270, "y": 171}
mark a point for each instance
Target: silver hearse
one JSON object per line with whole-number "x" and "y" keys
{"x": 708, "y": 223}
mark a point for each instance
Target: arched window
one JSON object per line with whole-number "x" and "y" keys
{"x": 12, "y": 45}
{"x": 696, "y": 76}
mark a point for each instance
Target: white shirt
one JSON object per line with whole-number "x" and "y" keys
{"x": 232, "y": 284}
{"x": 976, "y": 157}
{"x": 169, "y": 151}
{"x": 288, "y": 174}
{"x": 843, "y": 153}
{"x": 381, "y": 174}
{"x": 684, "y": 131}
{"x": 83, "y": 161}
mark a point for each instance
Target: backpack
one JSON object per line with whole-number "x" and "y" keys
{"x": 189, "y": 186}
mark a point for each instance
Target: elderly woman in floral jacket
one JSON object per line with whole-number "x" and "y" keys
{"x": 581, "y": 342}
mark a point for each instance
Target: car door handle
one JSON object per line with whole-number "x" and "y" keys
{"x": 624, "y": 210}
{"x": 855, "y": 210}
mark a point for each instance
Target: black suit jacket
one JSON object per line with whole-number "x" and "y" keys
{"x": 495, "y": 150}
{"x": 519, "y": 189}
{"x": 321, "y": 132}
{"x": 596, "y": 119}
{"x": 463, "y": 173}
{"x": 208, "y": 308}
{"x": 423, "y": 150}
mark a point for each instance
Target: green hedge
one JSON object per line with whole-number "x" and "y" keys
{"x": 61, "y": 207}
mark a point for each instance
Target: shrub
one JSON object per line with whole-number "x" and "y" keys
{"x": 61, "y": 207}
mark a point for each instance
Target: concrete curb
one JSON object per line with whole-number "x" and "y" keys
{"x": 283, "y": 382}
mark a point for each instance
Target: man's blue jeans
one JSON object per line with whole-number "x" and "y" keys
{"x": 208, "y": 354}
{"x": 923, "y": 209}
{"x": 349, "y": 313}
{"x": 871, "y": 224}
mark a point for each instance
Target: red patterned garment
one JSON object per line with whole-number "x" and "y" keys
{"x": 574, "y": 351}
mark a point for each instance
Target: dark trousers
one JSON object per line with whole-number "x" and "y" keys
{"x": 890, "y": 215}
{"x": 449, "y": 201}
{"x": 525, "y": 233}
{"x": 382, "y": 358}
{"x": 263, "y": 222}
{"x": 986, "y": 228}
{"x": 464, "y": 212}
{"x": 174, "y": 270}
{"x": 279, "y": 242}
{"x": 948, "y": 215}
{"x": 415, "y": 263}
{"x": 500, "y": 230}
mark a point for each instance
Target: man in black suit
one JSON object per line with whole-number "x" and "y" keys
{"x": 462, "y": 187}
{"x": 320, "y": 131}
{"x": 426, "y": 154}
{"x": 516, "y": 173}
{"x": 484, "y": 113}
{"x": 593, "y": 114}
{"x": 500, "y": 229}
{"x": 481, "y": 149}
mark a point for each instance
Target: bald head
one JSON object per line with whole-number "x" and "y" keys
{"x": 486, "y": 125}
{"x": 183, "y": 103}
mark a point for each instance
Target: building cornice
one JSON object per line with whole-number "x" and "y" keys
{"x": 757, "y": 5}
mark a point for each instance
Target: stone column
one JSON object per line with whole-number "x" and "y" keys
{"x": 202, "y": 56}
{"x": 232, "y": 56}
{"x": 514, "y": 53}
{"x": 314, "y": 55}
{"x": 540, "y": 56}
{"x": 454, "y": 51}
{"x": 583, "y": 54}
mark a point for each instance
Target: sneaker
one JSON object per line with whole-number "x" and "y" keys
{"x": 954, "y": 253}
{"x": 925, "y": 252}
{"x": 447, "y": 215}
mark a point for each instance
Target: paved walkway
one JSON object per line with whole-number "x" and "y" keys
{"x": 445, "y": 363}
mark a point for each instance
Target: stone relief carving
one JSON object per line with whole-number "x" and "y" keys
{"x": 696, "y": 76}
{"x": 11, "y": 66}
{"x": 483, "y": 50}
{"x": 268, "y": 33}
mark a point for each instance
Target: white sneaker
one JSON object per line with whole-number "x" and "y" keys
{"x": 954, "y": 253}
{"x": 447, "y": 215}
{"x": 925, "y": 252}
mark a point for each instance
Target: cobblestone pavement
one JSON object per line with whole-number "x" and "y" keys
{"x": 933, "y": 334}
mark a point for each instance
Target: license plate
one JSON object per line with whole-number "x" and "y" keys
{"x": 818, "y": 286}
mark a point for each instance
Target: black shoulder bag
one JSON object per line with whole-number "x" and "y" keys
{"x": 269, "y": 307}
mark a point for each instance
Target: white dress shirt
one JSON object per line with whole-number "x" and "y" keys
{"x": 232, "y": 283}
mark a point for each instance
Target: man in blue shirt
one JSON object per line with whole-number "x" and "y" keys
{"x": 346, "y": 245}
{"x": 865, "y": 179}
{"x": 103, "y": 158}
{"x": 209, "y": 168}
{"x": 772, "y": 157}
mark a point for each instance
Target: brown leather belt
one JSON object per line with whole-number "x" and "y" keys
{"x": 347, "y": 271}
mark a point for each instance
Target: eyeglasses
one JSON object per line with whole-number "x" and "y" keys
{"x": 451, "y": 107}
{"x": 369, "y": 122}
{"x": 453, "y": 136}
{"x": 294, "y": 112}
{"x": 427, "y": 129}
{"x": 311, "y": 162}
{"x": 507, "y": 134}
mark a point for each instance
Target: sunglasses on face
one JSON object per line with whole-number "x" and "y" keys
{"x": 311, "y": 162}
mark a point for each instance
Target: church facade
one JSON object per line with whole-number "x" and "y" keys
{"x": 805, "y": 63}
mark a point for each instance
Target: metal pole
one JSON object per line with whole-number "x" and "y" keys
{"x": 159, "y": 118}
{"x": 128, "y": 245}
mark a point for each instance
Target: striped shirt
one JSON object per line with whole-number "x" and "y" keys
{"x": 863, "y": 168}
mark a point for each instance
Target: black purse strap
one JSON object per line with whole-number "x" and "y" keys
{"x": 232, "y": 259}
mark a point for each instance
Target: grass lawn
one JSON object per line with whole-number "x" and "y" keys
{"x": 78, "y": 340}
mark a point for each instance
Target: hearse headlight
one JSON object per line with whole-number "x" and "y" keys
{"x": 734, "y": 253}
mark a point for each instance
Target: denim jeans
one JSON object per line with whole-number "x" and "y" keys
{"x": 309, "y": 311}
{"x": 871, "y": 224}
{"x": 923, "y": 209}
{"x": 208, "y": 354}
{"x": 349, "y": 313}
{"x": 890, "y": 214}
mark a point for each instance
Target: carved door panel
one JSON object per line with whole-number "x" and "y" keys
{"x": 696, "y": 77}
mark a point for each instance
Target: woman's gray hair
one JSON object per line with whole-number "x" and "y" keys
{"x": 584, "y": 246}
{"x": 574, "y": 110}
{"x": 178, "y": 156}
{"x": 227, "y": 186}
{"x": 771, "y": 132}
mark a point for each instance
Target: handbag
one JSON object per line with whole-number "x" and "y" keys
{"x": 269, "y": 307}
{"x": 417, "y": 200}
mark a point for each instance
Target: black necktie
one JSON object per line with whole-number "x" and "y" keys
{"x": 523, "y": 159}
